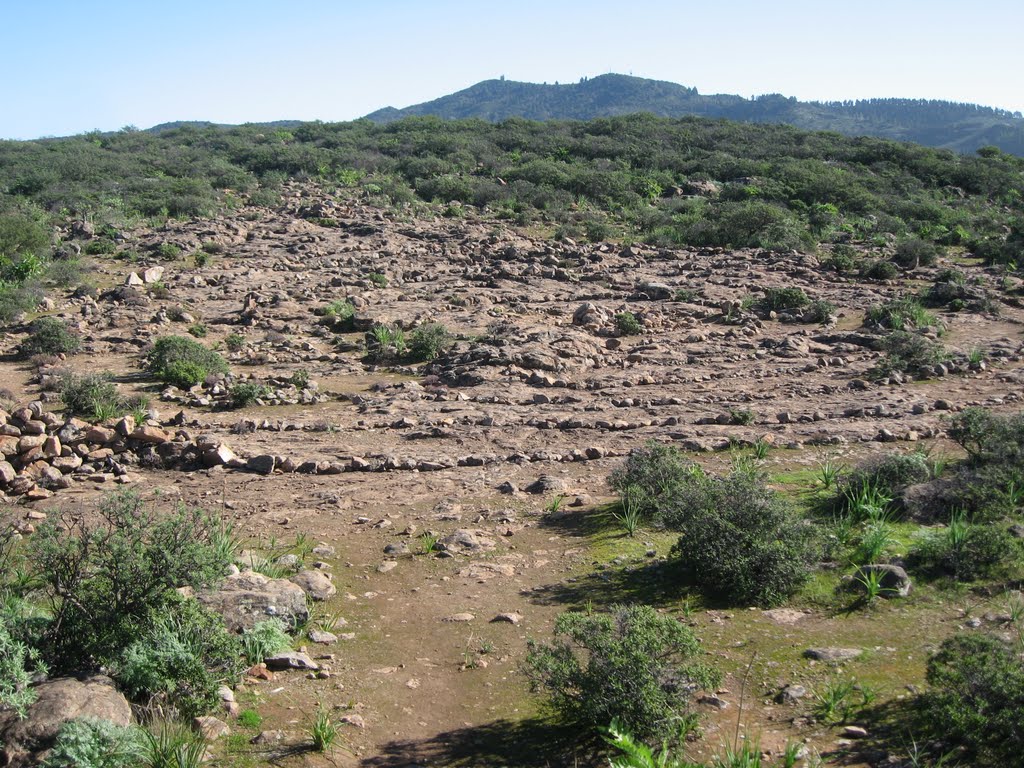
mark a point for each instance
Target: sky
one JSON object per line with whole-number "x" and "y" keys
{"x": 71, "y": 66}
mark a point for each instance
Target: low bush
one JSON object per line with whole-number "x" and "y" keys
{"x": 109, "y": 575}
{"x": 820, "y": 311}
{"x": 245, "y": 393}
{"x": 879, "y": 270}
{"x": 49, "y": 336}
{"x": 740, "y": 541}
{"x": 338, "y": 314}
{"x": 18, "y": 663}
{"x": 914, "y": 253}
{"x": 385, "y": 342}
{"x": 900, "y": 314}
{"x": 91, "y": 743}
{"x": 627, "y": 324}
{"x": 91, "y": 395}
{"x": 976, "y": 699}
{"x": 631, "y": 665}
{"x": 235, "y": 342}
{"x": 181, "y": 659}
{"x": 963, "y": 551}
{"x": 183, "y": 362}
{"x": 650, "y": 475}
{"x": 780, "y": 299}
{"x": 429, "y": 341}
{"x": 265, "y": 638}
{"x": 909, "y": 353}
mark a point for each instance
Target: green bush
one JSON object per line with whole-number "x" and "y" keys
{"x": 49, "y": 336}
{"x": 109, "y": 575}
{"x": 385, "y": 342}
{"x": 963, "y": 551}
{"x": 181, "y": 659}
{"x": 245, "y": 393}
{"x": 631, "y": 665}
{"x": 915, "y": 252}
{"x": 890, "y": 473}
{"x": 820, "y": 311}
{"x": 651, "y": 475}
{"x": 18, "y": 662}
{"x": 989, "y": 438}
{"x": 99, "y": 247}
{"x": 199, "y": 330}
{"x": 235, "y": 342}
{"x": 900, "y": 314}
{"x": 429, "y": 341}
{"x": 89, "y": 743}
{"x": 740, "y": 541}
{"x": 265, "y": 638}
{"x": 843, "y": 259}
{"x": 183, "y": 362}
{"x": 377, "y": 279}
{"x": 91, "y": 395}
{"x": 976, "y": 699}
{"x": 779, "y": 299}
{"x": 338, "y": 314}
{"x": 627, "y": 324}
{"x": 907, "y": 352}
{"x": 880, "y": 270}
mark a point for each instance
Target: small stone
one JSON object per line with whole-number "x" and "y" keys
{"x": 854, "y": 732}
{"x": 322, "y": 637}
{"x": 211, "y": 728}
{"x": 290, "y": 660}
{"x": 507, "y": 618}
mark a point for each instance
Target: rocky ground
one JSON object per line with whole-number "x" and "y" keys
{"x": 501, "y": 448}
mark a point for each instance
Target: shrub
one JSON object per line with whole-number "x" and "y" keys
{"x": 99, "y": 246}
{"x": 915, "y": 252}
{"x": 976, "y": 698}
{"x": 109, "y": 575}
{"x": 650, "y": 475}
{"x": 168, "y": 251}
{"x": 900, "y": 314}
{"x": 199, "y": 330}
{"x": 820, "y": 311}
{"x": 377, "y": 279}
{"x": 907, "y": 352}
{"x": 778, "y": 299}
{"x": 90, "y": 743}
{"x": 245, "y": 393}
{"x": 627, "y": 324}
{"x": 740, "y": 542}
{"x": 630, "y": 665}
{"x": 989, "y": 438}
{"x": 181, "y": 659}
{"x": 890, "y": 473}
{"x": 183, "y": 362}
{"x": 843, "y": 259}
{"x": 235, "y": 342}
{"x": 17, "y": 663}
{"x": 263, "y": 639}
{"x": 384, "y": 342}
{"x": 91, "y": 395}
{"x": 964, "y": 551}
{"x": 429, "y": 341}
{"x": 49, "y": 336}
{"x": 879, "y": 270}
{"x": 339, "y": 314}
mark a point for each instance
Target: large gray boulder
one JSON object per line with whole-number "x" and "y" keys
{"x": 248, "y": 597}
{"x": 26, "y": 741}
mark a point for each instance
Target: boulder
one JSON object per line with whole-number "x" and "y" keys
{"x": 290, "y": 660}
{"x": 316, "y": 584}
{"x": 832, "y": 655}
{"x": 465, "y": 542}
{"x": 248, "y": 597}
{"x": 894, "y": 580}
{"x": 57, "y": 702}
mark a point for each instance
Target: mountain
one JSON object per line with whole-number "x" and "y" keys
{"x": 960, "y": 127}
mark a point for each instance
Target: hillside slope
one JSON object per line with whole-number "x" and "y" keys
{"x": 960, "y": 127}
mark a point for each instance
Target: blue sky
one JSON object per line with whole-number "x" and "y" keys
{"x": 70, "y": 67}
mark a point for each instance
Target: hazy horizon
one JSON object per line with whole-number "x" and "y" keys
{"x": 119, "y": 64}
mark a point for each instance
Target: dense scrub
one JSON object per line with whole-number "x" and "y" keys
{"x": 672, "y": 181}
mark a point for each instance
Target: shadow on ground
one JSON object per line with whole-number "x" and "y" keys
{"x": 533, "y": 743}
